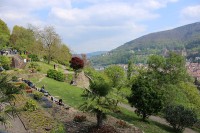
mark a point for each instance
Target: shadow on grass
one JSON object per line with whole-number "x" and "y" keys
{"x": 148, "y": 126}
{"x": 164, "y": 127}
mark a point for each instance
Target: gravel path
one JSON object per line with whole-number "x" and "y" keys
{"x": 155, "y": 118}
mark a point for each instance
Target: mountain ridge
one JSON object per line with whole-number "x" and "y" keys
{"x": 185, "y": 37}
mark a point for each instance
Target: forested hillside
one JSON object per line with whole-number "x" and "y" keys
{"x": 184, "y": 39}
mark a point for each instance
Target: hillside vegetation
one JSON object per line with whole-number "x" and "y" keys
{"x": 184, "y": 39}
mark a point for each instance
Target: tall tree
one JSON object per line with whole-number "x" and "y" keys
{"x": 50, "y": 40}
{"x": 130, "y": 69}
{"x": 4, "y": 34}
{"x": 63, "y": 55}
{"x": 145, "y": 97}
{"x": 22, "y": 38}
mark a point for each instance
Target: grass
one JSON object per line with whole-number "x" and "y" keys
{"x": 69, "y": 94}
{"x": 148, "y": 126}
{"x": 45, "y": 67}
{"x": 72, "y": 96}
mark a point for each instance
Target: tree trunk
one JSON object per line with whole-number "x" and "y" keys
{"x": 49, "y": 54}
{"x": 144, "y": 116}
{"x": 99, "y": 119}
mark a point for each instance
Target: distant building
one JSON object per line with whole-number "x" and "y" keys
{"x": 193, "y": 69}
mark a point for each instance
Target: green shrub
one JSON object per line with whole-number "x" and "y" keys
{"x": 59, "y": 129}
{"x": 57, "y": 75}
{"x": 51, "y": 73}
{"x": 37, "y": 95}
{"x": 33, "y": 57}
{"x": 30, "y": 105}
{"x": 23, "y": 56}
{"x": 179, "y": 117}
{"x": 70, "y": 77}
{"x": 22, "y": 86}
{"x": 60, "y": 76}
{"x": 14, "y": 78}
{"x": 6, "y": 67}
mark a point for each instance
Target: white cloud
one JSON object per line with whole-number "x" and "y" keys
{"x": 190, "y": 14}
{"x": 81, "y": 23}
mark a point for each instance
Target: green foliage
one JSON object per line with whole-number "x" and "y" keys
{"x": 98, "y": 75}
{"x": 116, "y": 75}
{"x": 5, "y": 62}
{"x": 130, "y": 69}
{"x": 63, "y": 56}
{"x": 97, "y": 100}
{"x": 37, "y": 95}
{"x": 22, "y": 86}
{"x": 69, "y": 77}
{"x": 180, "y": 117}
{"x": 7, "y": 91}
{"x": 59, "y": 129}
{"x": 192, "y": 95}
{"x": 145, "y": 98}
{"x": 34, "y": 66}
{"x": 30, "y": 105}
{"x": 57, "y": 75}
{"x": 22, "y": 38}
{"x": 14, "y": 78}
{"x": 5, "y": 34}
{"x": 33, "y": 57}
{"x": 23, "y": 56}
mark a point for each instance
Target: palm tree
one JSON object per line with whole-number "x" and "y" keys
{"x": 7, "y": 95}
{"x": 97, "y": 100}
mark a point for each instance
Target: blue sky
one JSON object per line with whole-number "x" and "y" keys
{"x": 96, "y": 25}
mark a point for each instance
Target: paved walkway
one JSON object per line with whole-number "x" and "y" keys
{"x": 155, "y": 118}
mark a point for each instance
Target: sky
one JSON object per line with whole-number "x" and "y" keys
{"x": 100, "y": 25}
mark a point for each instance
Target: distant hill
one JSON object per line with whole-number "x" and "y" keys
{"x": 184, "y": 39}
{"x": 89, "y": 55}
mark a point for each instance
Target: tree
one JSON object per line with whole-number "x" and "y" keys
{"x": 4, "y": 34}
{"x": 98, "y": 100}
{"x": 180, "y": 117}
{"x": 130, "y": 69}
{"x": 5, "y": 62}
{"x": 144, "y": 97}
{"x": 63, "y": 56}
{"x": 116, "y": 75}
{"x": 76, "y": 64}
{"x": 50, "y": 40}
{"x": 22, "y": 38}
{"x": 7, "y": 91}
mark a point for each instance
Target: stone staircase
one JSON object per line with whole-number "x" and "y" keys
{"x": 18, "y": 61}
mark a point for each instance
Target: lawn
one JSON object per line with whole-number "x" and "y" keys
{"x": 147, "y": 127}
{"x": 45, "y": 67}
{"x": 71, "y": 95}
